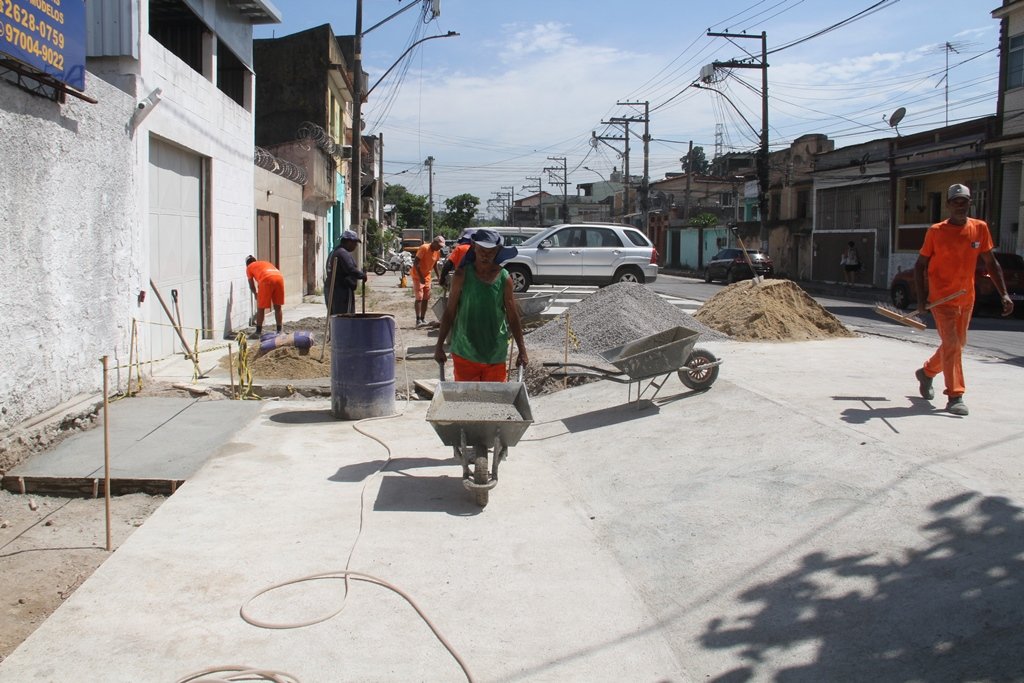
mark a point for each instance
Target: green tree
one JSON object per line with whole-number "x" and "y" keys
{"x": 696, "y": 162}
{"x": 412, "y": 209}
{"x": 460, "y": 212}
{"x": 704, "y": 220}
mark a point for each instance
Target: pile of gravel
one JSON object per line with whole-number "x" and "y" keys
{"x": 613, "y": 316}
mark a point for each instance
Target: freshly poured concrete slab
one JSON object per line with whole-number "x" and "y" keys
{"x": 150, "y": 438}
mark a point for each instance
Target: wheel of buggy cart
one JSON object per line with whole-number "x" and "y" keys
{"x": 697, "y": 378}
{"x": 480, "y": 474}
{"x": 380, "y": 269}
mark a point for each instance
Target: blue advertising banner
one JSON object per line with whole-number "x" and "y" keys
{"x": 47, "y": 35}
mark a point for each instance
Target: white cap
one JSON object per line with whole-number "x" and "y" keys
{"x": 958, "y": 191}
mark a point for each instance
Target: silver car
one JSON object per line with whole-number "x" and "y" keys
{"x": 584, "y": 254}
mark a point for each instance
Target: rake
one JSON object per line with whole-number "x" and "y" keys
{"x": 910, "y": 319}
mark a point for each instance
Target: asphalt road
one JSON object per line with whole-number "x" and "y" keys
{"x": 989, "y": 335}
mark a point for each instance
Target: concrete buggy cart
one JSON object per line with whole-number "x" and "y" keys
{"x": 652, "y": 360}
{"x": 477, "y": 419}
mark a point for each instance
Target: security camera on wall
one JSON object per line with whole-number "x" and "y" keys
{"x": 151, "y": 100}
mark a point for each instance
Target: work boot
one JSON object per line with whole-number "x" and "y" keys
{"x": 279, "y": 329}
{"x": 924, "y": 384}
{"x": 259, "y": 331}
{"x": 957, "y": 406}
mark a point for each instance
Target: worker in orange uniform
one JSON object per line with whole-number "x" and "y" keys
{"x": 269, "y": 292}
{"x": 455, "y": 257}
{"x": 424, "y": 265}
{"x": 949, "y": 258}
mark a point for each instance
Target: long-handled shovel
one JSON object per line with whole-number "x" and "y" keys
{"x": 330, "y": 303}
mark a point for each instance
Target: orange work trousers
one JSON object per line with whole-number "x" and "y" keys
{"x": 951, "y": 321}
{"x": 470, "y": 371}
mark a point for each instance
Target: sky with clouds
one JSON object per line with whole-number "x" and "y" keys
{"x": 528, "y": 83}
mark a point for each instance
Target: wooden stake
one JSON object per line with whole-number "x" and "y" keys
{"x": 565, "y": 380}
{"x": 106, "y": 449}
{"x": 131, "y": 354}
{"x": 231, "y": 368}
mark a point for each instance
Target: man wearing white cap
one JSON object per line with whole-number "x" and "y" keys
{"x": 481, "y": 313}
{"x": 344, "y": 275}
{"x": 949, "y": 257}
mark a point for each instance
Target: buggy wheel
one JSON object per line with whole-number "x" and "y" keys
{"x": 693, "y": 376}
{"x": 480, "y": 474}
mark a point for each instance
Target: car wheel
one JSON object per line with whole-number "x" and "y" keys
{"x": 521, "y": 279}
{"x": 629, "y": 274}
{"x": 707, "y": 275}
{"x": 731, "y": 276}
{"x": 900, "y": 296}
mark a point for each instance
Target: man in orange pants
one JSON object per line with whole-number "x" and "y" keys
{"x": 270, "y": 291}
{"x": 949, "y": 258}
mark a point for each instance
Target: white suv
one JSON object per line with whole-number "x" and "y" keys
{"x": 584, "y": 254}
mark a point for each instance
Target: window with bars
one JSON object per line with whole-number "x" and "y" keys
{"x": 852, "y": 207}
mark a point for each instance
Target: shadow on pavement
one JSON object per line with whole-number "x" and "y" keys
{"x": 918, "y": 406}
{"x": 951, "y": 608}
{"x": 359, "y": 471}
{"x": 302, "y": 417}
{"x": 427, "y": 494}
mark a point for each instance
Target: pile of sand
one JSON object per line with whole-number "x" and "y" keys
{"x": 772, "y": 310}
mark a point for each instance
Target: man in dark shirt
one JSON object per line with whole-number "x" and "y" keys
{"x": 345, "y": 275}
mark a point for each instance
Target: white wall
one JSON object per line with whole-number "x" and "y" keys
{"x": 195, "y": 115}
{"x": 69, "y": 246}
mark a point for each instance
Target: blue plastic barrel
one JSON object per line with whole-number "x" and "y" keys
{"x": 362, "y": 366}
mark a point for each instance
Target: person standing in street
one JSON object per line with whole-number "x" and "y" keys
{"x": 462, "y": 247}
{"x": 850, "y": 261}
{"x": 269, "y": 292}
{"x": 949, "y": 257}
{"x": 481, "y": 313}
{"x": 424, "y": 265}
{"x": 343, "y": 275}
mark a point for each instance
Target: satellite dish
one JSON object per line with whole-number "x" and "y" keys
{"x": 897, "y": 116}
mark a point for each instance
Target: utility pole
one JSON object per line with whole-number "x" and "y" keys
{"x": 540, "y": 198}
{"x": 429, "y": 163}
{"x": 645, "y": 184}
{"x": 689, "y": 169}
{"x": 356, "y": 181}
{"x": 595, "y": 138}
{"x": 624, "y": 122}
{"x": 564, "y": 182}
{"x": 762, "y": 157}
{"x": 511, "y": 197}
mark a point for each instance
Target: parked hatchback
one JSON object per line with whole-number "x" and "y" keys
{"x": 730, "y": 265}
{"x": 584, "y": 254}
{"x": 986, "y": 296}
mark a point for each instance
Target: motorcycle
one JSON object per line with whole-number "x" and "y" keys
{"x": 396, "y": 262}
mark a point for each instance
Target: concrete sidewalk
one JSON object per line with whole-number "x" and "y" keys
{"x": 809, "y": 518}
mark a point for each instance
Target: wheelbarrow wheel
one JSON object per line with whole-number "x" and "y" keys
{"x": 480, "y": 474}
{"x": 693, "y": 376}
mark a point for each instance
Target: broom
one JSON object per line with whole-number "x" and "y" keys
{"x": 910, "y": 319}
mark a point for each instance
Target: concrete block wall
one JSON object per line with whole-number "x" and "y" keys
{"x": 69, "y": 244}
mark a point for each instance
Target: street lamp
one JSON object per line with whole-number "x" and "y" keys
{"x": 587, "y": 168}
{"x": 357, "y": 100}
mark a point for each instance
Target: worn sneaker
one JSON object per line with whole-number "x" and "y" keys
{"x": 957, "y": 406}
{"x": 924, "y": 384}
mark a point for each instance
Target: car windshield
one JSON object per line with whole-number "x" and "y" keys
{"x": 538, "y": 238}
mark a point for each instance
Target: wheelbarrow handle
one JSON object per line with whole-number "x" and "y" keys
{"x": 440, "y": 368}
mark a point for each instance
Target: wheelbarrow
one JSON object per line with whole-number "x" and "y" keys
{"x": 652, "y": 360}
{"x": 531, "y": 305}
{"x": 480, "y": 419}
